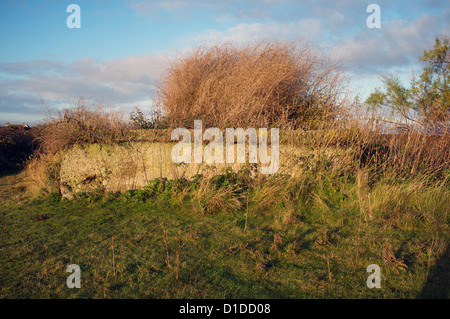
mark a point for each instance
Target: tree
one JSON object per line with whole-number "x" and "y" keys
{"x": 428, "y": 95}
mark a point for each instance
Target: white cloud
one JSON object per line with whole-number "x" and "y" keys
{"x": 135, "y": 69}
{"x": 173, "y": 4}
{"x": 143, "y": 7}
{"x": 245, "y": 32}
{"x": 341, "y": 24}
{"x": 124, "y": 81}
{"x": 396, "y": 44}
{"x": 152, "y": 8}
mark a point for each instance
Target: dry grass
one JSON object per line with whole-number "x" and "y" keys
{"x": 286, "y": 85}
{"x": 208, "y": 199}
{"x": 43, "y": 173}
{"x": 263, "y": 84}
{"x": 267, "y": 194}
{"x": 405, "y": 154}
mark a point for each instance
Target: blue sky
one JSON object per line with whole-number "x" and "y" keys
{"x": 123, "y": 47}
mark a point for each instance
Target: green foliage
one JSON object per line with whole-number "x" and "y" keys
{"x": 238, "y": 179}
{"x": 376, "y": 99}
{"x": 140, "y": 121}
{"x": 165, "y": 186}
{"x": 432, "y": 88}
{"x": 54, "y": 197}
{"x": 428, "y": 95}
{"x": 135, "y": 196}
{"x": 314, "y": 239}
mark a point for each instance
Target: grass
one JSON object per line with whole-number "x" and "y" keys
{"x": 233, "y": 236}
{"x": 277, "y": 238}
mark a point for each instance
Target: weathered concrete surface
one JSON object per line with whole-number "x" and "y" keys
{"x": 113, "y": 167}
{"x": 123, "y": 167}
{"x": 132, "y": 165}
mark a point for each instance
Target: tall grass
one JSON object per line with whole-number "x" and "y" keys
{"x": 383, "y": 149}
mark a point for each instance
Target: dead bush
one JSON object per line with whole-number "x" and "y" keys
{"x": 282, "y": 84}
{"x": 82, "y": 125}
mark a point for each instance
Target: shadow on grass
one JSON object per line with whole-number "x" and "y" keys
{"x": 438, "y": 280}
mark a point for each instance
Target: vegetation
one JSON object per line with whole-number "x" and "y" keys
{"x": 429, "y": 95}
{"x": 237, "y": 235}
{"x": 281, "y": 84}
{"x": 233, "y": 237}
{"x": 82, "y": 124}
{"x": 139, "y": 121}
{"x": 17, "y": 144}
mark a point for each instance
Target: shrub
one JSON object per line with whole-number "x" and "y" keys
{"x": 155, "y": 121}
{"x": 429, "y": 94}
{"x": 16, "y": 146}
{"x": 283, "y": 84}
{"x": 404, "y": 154}
{"x": 78, "y": 125}
{"x": 82, "y": 125}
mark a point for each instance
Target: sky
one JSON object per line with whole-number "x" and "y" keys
{"x": 120, "y": 52}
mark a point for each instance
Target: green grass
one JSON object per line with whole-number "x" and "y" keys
{"x": 279, "y": 238}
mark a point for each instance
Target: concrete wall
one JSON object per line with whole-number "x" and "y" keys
{"x": 132, "y": 165}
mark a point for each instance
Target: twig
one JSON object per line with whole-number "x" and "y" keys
{"x": 113, "y": 258}
{"x": 246, "y": 216}
{"x": 167, "y": 251}
{"x": 178, "y": 254}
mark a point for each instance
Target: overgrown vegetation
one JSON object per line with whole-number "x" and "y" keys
{"x": 428, "y": 96}
{"x": 237, "y": 234}
{"x": 82, "y": 124}
{"x": 155, "y": 121}
{"x": 17, "y": 144}
{"x": 263, "y": 84}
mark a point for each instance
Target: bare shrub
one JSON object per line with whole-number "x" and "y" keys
{"x": 284, "y": 84}
{"x": 82, "y": 125}
{"x": 78, "y": 125}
